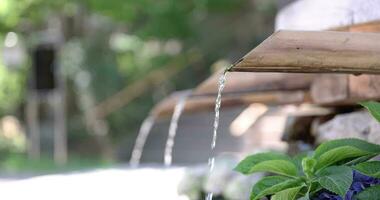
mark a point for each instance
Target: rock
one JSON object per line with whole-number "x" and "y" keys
{"x": 326, "y": 14}
{"x": 358, "y": 124}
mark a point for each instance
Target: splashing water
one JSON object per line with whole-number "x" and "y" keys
{"x": 218, "y": 103}
{"x": 173, "y": 128}
{"x": 141, "y": 139}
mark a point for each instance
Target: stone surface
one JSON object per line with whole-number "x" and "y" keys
{"x": 326, "y": 14}
{"x": 352, "y": 125}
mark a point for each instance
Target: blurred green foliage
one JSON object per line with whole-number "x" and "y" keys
{"x": 117, "y": 42}
{"x": 12, "y": 88}
{"x": 23, "y": 12}
{"x": 16, "y": 163}
{"x": 12, "y": 84}
{"x": 164, "y": 18}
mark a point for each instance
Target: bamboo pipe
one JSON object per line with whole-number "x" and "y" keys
{"x": 314, "y": 52}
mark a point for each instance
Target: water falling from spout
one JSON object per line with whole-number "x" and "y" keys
{"x": 218, "y": 103}
{"x": 141, "y": 139}
{"x": 168, "y": 157}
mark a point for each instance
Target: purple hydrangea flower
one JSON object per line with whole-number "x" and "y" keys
{"x": 359, "y": 183}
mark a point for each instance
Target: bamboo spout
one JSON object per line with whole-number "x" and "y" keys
{"x": 314, "y": 52}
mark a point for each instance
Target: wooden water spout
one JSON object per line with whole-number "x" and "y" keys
{"x": 314, "y": 52}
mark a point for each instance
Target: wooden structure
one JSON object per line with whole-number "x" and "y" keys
{"x": 300, "y": 52}
{"x": 315, "y": 52}
{"x": 337, "y": 40}
{"x": 270, "y": 88}
{"x": 337, "y": 15}
{"x": 308, "y": 48}
{"x": 207, "y": 103}
{"x": 346, "y": 60}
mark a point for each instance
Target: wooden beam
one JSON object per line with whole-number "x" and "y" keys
{"x": 314, "y": 52}
{"x": 207, "y": 103}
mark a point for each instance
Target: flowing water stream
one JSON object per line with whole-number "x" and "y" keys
{"x": 218, "y": 103}
{"x": 168, "y": 157}
{"x": 149, "y": 122}
{"x": 141, "y": 139}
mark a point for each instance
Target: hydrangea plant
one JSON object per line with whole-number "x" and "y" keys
{"x": 337, "y": 170}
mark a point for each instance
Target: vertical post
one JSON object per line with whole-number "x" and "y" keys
{"x": 33, "y": 124}
{"x": 60, "y": 137}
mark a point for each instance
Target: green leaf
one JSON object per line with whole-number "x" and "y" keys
{"x": 359, "y": 160}
{"x": 288, "y": 194}
{"x": 338, "y": 154}
{"x": 267, "y": 162}
{"x": 353, "y": 142}
{"x": 336, "y": 179}
{"x": 308, "y": 166}
{"x": 272, "y": 184}
{"x": 371, "y": 168}
{"x": 315, "y": 186}
{"x": 373, "y": 107}
{"x": 297, "y": 159}
{"x": 371, "y": 193}
{"x": 281, "y": 167}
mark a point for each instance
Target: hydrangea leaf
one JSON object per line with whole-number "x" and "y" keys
{"x": 359, "y": 160}
{"x": 372, "y": 193}
{"x": 353, "y": 142}
{"x": 271, "y": 185}
{"x": 371, "y": 168}
{"x": 267, "y": 162}
{"x": 288, "y": 194}
{"x": 336, "y": 179}
{"x": 281, "y": 167}
{"x": 373, "y": 107}
{"x": 297, "y": 159}
{"x": 338, "y": 154}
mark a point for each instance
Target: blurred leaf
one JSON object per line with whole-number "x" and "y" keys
{"x": 372, "y": 193}
{"x": 371, "y": 168}
{"x": 373, "y": 107}
{"x": 297, "y": 159}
